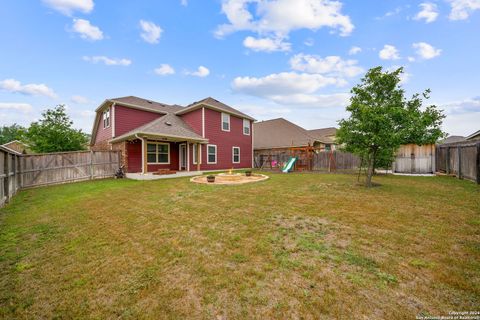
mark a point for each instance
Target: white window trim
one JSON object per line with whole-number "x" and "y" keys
{"x": 155, "y": 142}
{"x": 249, "y": 127}
{"x": 233, "y": 154}
{"x": 194, "y": 153}
{"x": 229, "y": 122}
{"x": 180, "y": 155}
{"x": 104, "y": 118}
{"x": 216, "y": 154}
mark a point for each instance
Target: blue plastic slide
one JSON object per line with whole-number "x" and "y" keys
{"x": 289, "y": 165}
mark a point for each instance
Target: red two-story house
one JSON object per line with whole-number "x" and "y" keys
{"x": 205, "y": 135}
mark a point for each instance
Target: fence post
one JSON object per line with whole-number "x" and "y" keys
{"x": 6, "y": 170}
{"x": 478, "y": 163}
{"x": 459, "y": 160}
{"x": 447, "y": 161}
{"x": 91, "y": 165}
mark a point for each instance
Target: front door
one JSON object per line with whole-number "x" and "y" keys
{"x": 183, "y": 157}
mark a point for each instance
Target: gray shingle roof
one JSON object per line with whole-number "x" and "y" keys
{"x": 453, "y": 139}
{"x": 149, "y": 104}
{"x": 168, "y": 125}
{"x": 280, "y": 133}
{"x": 217, "y": 104}
{"x": 323, "y": 132}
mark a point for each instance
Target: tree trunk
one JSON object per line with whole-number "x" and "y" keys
{"x": 371, "y": 169}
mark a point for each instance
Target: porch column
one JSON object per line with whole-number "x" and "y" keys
{"x": 188, "y": 156}
{"x": 199, "y": 160}
{"x": 144, "y": 156}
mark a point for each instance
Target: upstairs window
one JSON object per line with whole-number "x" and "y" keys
{"x": 211, "y": 154}
{"x": 246, "y": 127}
{"x": 106, "y": 118}
{"x": 225, "y": 122}
{"x": 236, "y": 155}
{"x": 158, "y": 152}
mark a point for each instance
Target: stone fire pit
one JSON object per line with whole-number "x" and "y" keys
{"x": 230, "y": 178}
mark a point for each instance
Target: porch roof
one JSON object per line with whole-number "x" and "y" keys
{"x": 168, "y": 126}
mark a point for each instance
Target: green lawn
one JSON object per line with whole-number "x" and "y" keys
{"x": 295, "y": 246}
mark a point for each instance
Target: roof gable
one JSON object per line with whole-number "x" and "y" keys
{"x": 215, "y": 105}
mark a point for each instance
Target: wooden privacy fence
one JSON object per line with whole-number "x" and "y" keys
{"x": 9, "y": 178}
{"x": 459, "y": 159}
{"x": 335, "y": 160}
{"x": 26, "y": 171}
{"x": 321, "y": 161}
{"x": 412, "y": 158}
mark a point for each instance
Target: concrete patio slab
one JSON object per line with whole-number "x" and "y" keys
{"x": 151, "y": 176}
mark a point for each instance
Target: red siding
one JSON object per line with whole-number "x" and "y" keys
{"x": 194, "y": 120}
{"x": 102, "y": 133}
{"x": 127, "y": 119}
{"x": 134, "y": 150}
{"x": 225, "y": 140}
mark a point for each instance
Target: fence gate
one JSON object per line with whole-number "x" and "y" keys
{"x": 412, "y": 158}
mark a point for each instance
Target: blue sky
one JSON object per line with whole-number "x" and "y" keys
{"x": 296, "y": 59}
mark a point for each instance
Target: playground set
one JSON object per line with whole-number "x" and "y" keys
{"x": 300, "y": 159}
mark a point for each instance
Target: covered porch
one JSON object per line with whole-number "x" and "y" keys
{"x": 166, "y": 145}
{"x": 162, "y": 155}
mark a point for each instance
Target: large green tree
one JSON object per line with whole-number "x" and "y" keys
{"x": 381, "y": 119}
{"x": 11, "y": 133}
{"x": 54, "y": 132}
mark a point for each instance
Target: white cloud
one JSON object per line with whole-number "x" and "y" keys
{"x": 461, "y": 9}
{"x": 79, "y": 99}
{"x": 284, "y": 83}
{"x": 67, "y": 7}
{"x": 164, "y": 69}
{"x": 391, "y": 13}
{"x": 389, "y": 52}
{"x": 411, "y": 59}
{"x": 108, "y": 61}
{"x": 292, "y": 89}
{"x": 32, "y": 89}
{"x": 263, "y": 112}
{"x": 354, "y": 50}
{"x": 309, "y": 42}
{"x": 266, "y": 44}
{"x": 87, "y": 30}
{"x": 429, "y": 12}
{"x": 331, "y": 65}
{"x": 151, "y": 32}
{"x": 463, "y": 106}
{"x": 201, "y": 72}
{"x": 184, "y": 3}
{"x": 277, "y": 18}
{"x": 22, "y": 107}
{"x": 462, "y": 116}
{"x": 426, "y": 51}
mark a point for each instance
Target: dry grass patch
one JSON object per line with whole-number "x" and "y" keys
{"x": 294, "y": 246}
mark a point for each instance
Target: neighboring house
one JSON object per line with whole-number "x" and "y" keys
{"x": 154, "y": 136}
{"x": 17, "y": 146}
{"x": 325, "y": 134}
{"x": 474, "y": 136}
{"x": 452, "y": 139}
{"x": 283, "y": 134}
{"x": 274, "y": 139}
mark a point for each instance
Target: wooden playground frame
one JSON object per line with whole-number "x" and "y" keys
{"x": 305, "y": 156}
